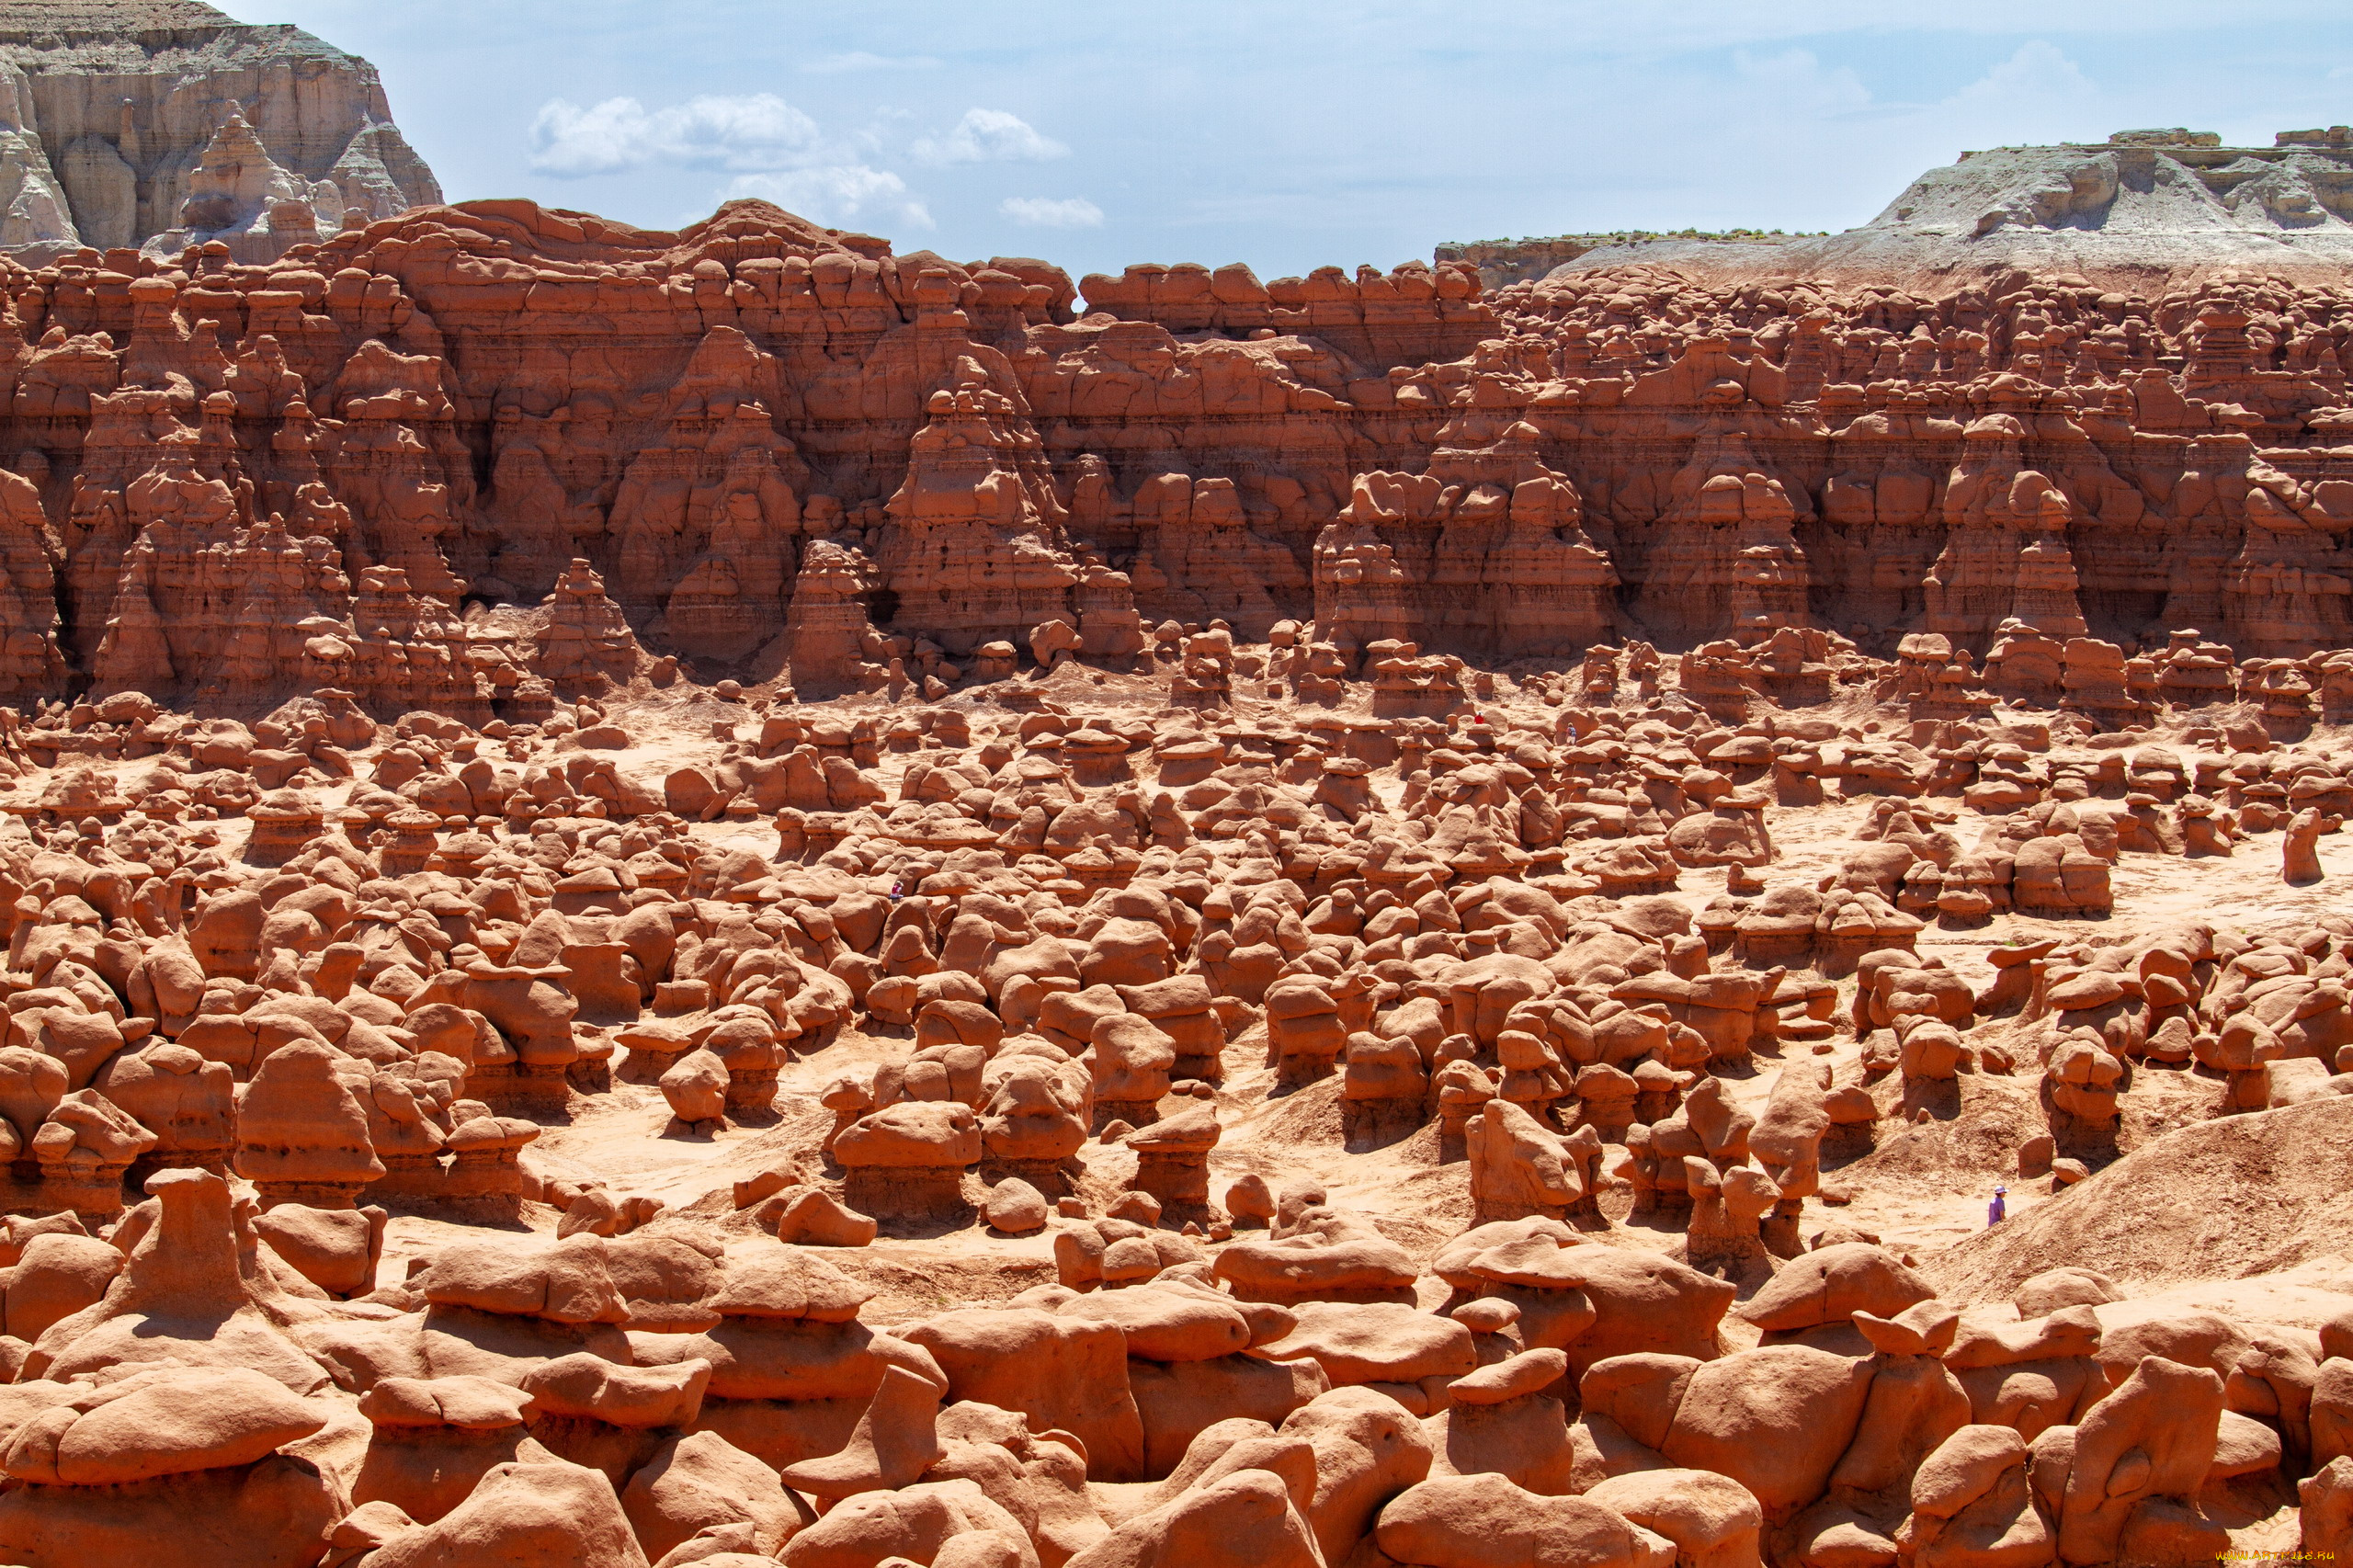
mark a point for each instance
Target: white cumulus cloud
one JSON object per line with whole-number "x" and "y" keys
{"x": 2037, "y": 73}
{"x": 758, "y": 130}
{"x": 989, "y": 136}
{"x": 1045, "y": 212}
{"x": 859, "y": 60}
{"x": 836, "y": 195}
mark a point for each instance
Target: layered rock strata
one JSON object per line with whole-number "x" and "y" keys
{"x": 786, "y": 450}
{"x": 131, "y": 124}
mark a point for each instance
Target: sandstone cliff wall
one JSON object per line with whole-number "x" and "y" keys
{"x": 781, "y": 445}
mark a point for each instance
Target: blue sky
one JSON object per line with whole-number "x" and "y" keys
{"x": 1291, "y": 135}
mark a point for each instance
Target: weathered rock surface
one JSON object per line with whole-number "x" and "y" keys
{"x": 158, "y": 124}
{"x": 726, "y": 898}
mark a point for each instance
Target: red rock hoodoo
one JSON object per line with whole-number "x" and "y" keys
{"x": 725, "y": 898}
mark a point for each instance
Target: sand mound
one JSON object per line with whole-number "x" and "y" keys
{"x": 2242, "y": 1196}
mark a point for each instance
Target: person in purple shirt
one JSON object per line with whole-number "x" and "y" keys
{"x": 1996, "y": 1210}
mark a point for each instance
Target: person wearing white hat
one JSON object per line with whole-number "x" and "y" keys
{"x": 1998, "y": 1210}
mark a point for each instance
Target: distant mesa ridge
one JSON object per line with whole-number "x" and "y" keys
{"x": 2140, "y": 203}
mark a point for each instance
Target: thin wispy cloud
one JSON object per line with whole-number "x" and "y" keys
{"x": 1045, "y": 212}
